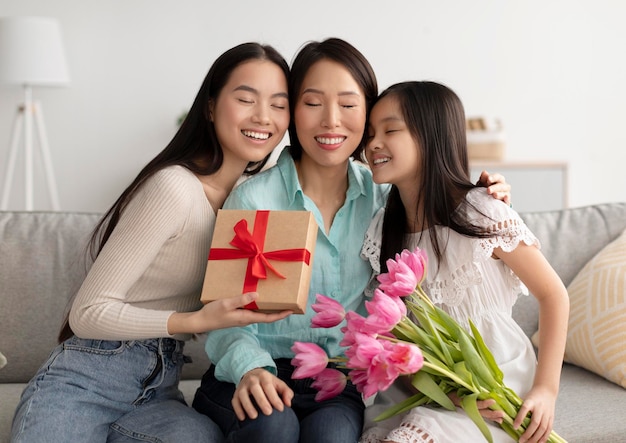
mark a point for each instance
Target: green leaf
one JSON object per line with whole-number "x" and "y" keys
{"x": 475, "y": 363}
{"x": 468, "y": 403}
{"x": 505, "y": 403}
{"x": 461, "y": 370}
{"x": 424, "y": 383}
{"x": 508, "y": 428}
{"x": 410, "y": 403}
{"x": 443, "y": 345}
{"x": 486, "y": 354}
{"x": 451, "y": 325}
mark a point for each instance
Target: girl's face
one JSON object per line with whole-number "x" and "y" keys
{"x": 251, "y": 112}
{"x": 391, "y": 151}
{"x": 330, "y": 114}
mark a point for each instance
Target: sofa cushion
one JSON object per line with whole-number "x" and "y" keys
{"x": 569, "y": 239}
{"x": 42, "y": 263}
{"x": 596, "y": 337}
{"x": 589, "y": 409}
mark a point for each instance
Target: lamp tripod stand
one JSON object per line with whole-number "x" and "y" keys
{"x": 29, "y": 114}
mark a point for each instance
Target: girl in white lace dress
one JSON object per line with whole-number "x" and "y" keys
{"x": 481, "y": 257}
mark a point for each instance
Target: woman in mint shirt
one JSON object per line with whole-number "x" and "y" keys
{"x": 331, "y": 88}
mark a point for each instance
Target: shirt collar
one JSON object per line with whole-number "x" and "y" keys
{"x": 287, "y": 167}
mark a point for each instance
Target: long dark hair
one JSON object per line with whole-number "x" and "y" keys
{"x": 338, "y": 51}
{"x": 435, "y": 117}
{"x": 194, "y": 146}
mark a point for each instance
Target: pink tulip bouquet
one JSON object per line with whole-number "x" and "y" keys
{"x": 406, "y": 334}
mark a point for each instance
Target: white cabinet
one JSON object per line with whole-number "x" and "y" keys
{"x": 535, "y": 186}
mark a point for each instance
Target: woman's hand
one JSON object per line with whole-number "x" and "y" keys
{"x": 268, "y": 391}
{"x": 219, "y": 314}
{"x": 496, "y": 186}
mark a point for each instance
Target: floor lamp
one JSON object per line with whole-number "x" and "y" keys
{"x": 31, "y": 54}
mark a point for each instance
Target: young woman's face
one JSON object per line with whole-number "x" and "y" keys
{"x": 251, "y": 112}
{"x": 391, "y": 150}
{"x": 330, "y": 114}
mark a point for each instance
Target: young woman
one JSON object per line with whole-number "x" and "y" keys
{"x": 481, "y": 256}
{"x": 331, "y": 88}
{"x": 115, "y": 375}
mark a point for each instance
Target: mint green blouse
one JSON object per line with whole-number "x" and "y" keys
{"x": 338, "y": 270}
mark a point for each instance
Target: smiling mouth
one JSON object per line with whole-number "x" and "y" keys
{"x": 257, "y": 135}
{"x": 329, "y": 140}
{"x": 379, "y": 161}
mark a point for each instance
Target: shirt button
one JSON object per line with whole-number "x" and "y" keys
{"x": 335, "y": 294}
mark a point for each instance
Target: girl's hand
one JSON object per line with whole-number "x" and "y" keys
{"x": 268, "y": 391}
{"x": 496, "y": 186}
{"x": 540, "y": 403}
{"x": 483, "y": 408}
{"x": 219, "y": 314}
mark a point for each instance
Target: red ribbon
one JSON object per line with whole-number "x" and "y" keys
{"x": 251, "y": 246}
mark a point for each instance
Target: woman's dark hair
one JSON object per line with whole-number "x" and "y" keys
{"x": 435, "y": 117}
{"x": 195, "y": 144}
{"x": 339, "y": 51}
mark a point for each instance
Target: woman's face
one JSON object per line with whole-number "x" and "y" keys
{"x": 330, "y": 114}
{"x": 391, "y": 151}
{"x": 251, "y": 112}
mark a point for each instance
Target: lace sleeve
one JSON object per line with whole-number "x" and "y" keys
{"x": 505, "y": 226}
{"x": 371, "y": 249}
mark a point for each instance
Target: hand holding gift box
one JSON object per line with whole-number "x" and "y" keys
{"x": 269, "y": 252}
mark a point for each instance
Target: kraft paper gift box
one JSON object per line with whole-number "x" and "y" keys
{"x": 269, "y": 252}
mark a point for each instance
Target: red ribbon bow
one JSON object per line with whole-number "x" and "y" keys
{"x": 251, "y": 246}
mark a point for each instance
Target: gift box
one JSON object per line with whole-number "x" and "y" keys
{"x": 269, "y": 252}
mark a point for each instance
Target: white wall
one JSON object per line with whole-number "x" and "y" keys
{"x": 552, "y": 70}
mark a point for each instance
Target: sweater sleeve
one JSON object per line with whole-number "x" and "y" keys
{"x": 101, "y": 310}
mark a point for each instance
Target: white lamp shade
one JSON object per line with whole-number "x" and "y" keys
{"x": 31, "y": 52}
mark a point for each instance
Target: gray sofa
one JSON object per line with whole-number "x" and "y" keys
{"x": 42, "y": 262}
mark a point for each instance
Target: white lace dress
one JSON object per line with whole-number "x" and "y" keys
{"x": 468, "y": 284}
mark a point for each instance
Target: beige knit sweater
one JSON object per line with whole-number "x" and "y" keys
{"x": 152, "y": 265}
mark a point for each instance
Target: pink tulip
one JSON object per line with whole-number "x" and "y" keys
{"x": 384, "y": 311}
{"x": 329, "y": 312}
{"x": 359, "y": 378}
{"x": 417, "y": 261}
{"x": 348, "y": 337}
{"x": 375, "y": 378}
{"x": 309, "y": 360}
{"x": 363, "y": 351}
{"x": 330, "y": 383}
{"x": 358, "y": 323}
{"x": 381, "y": 373}
{"x": 404, "y": 273}
{"x": 407, "y": 358}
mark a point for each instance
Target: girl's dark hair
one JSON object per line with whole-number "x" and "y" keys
{"x": 339, "y": 51}
{"x": 435, "y": 117}
{"x": 195, "y": 144}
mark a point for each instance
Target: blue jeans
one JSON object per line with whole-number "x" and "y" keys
{"x": 338, "y": 420}
{"x": 115, "y": 391}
